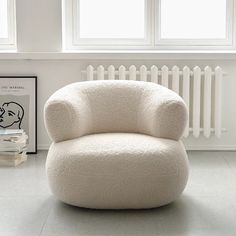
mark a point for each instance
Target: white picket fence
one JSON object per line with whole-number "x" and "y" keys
{"x": 200, "y": 89}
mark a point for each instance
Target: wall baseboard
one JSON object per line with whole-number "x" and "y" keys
{"x": 43, "y": 147}
{"x": 188, "y": 147}
{"x": 211, "y": 147}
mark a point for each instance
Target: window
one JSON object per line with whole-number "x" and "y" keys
{"x": 148, "y": 24}
{"x": 121, "y": 21}
{"x": 7, "y": 25}
{"x": 106, "y": 22}
{"x": 195, "y": 22}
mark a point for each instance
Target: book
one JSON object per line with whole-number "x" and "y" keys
{"x": 15, "y": 139}
{"x": 11, "y": 132}
{"x": 13, "y": 162}
{"x": 11, "y": 155}
{"x": 13, "y": 145}
{"x": 9, "y": 147}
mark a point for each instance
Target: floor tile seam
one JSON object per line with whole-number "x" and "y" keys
{"x": 45, "y": 221}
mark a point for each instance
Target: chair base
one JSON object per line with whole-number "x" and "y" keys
{"x": 117, "y": 171}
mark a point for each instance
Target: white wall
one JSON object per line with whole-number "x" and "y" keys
{"x": 39, "y": 30}
{"x": 38, "y": 25}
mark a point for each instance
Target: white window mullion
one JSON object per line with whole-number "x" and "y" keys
{"x": 152, "y": 25}
{"x": 230, "y": 15}
{"x": 234, "y": 25}
{"x": 12, "y": 22}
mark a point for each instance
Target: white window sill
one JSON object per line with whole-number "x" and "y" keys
{"x": 120, "y": 55}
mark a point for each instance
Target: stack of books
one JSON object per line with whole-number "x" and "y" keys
{"x": 12, "y": 147}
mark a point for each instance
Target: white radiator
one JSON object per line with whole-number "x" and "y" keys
{"x": 200, "y": 89}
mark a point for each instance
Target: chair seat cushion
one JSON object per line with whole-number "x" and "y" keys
{"x": 117, "y": 171}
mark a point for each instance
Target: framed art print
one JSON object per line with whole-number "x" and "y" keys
{"x": 18, "y": 106}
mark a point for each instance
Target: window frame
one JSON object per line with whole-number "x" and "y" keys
{"x": 226, "y": 43}
{"x": 152, "y": 41}
{"x": 72, "y": 41}
{"x": 10, "y": 42}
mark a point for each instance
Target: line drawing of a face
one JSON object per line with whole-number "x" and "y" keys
{"x": 11, "y": 113}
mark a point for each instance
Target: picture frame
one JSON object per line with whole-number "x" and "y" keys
{"x": 19, "y": 94}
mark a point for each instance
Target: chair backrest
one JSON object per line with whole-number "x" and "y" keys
{"x": 114, "y": 106}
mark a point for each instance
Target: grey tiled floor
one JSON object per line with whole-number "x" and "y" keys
{"x": 207, "y": 206}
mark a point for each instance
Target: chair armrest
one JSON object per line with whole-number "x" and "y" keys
{"x": 164, "y": 114}
{"x": 64, "y": 114}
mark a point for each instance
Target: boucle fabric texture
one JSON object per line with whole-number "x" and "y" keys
{"x": 116, "y": 144}
{"x": 114, "y": 106}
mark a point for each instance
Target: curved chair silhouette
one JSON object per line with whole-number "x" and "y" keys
{"x": 116, "y": 144}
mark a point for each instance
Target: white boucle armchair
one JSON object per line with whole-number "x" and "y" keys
{"x": 116, "y": 144}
